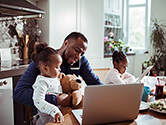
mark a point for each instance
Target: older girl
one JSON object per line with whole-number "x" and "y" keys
{"x": 118, "y": 74}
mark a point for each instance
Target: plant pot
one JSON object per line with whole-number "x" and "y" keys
{"x": 154, "y": 73}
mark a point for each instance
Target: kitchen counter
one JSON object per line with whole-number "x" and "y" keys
{"x": 11, "y": 71}
{"x": 13, "y": 68}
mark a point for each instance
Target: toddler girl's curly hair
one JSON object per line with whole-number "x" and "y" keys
{"x": 43, "y": 53}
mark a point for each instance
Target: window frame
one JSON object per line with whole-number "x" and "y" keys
{"x": 126, "y": 31}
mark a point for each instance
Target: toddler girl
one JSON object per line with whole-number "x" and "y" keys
{"x": 118, "y": 74}
{"x": 48, "y": 61}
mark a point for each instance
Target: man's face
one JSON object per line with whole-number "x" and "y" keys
{"x": 75, "y": 50}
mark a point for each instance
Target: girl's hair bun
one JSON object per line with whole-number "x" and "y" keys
{"x": 115, "y": 53}
{"x": 42, "y": 53}
{"x": 40, "y": 47}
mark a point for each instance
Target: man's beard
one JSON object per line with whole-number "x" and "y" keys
{"x": 64, "y": 63}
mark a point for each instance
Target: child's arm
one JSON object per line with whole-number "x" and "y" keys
{"x": 58, "y": 117}
{"x": 113, "y": 77}
{"x": 117, "y": 79}
{"x": 129, "y": 78}
{"x": 40, "y": 89}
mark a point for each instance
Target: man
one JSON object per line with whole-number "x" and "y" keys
{"x": 72, "y": 51}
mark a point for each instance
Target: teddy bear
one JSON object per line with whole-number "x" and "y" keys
{"x": 71, "y": 84}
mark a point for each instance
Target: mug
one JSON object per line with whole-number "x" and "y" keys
{"x": 159, "y": 90}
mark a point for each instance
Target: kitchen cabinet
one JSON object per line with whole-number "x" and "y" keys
{"x": 20, "y": 112}
{"x": 113, "y": 13}
{"x": 11, "y": 112}
{"x": 6, "y": 102}
{"x": 113, "y": 7}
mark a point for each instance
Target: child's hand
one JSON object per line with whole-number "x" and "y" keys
{"x": 58, "y": 117}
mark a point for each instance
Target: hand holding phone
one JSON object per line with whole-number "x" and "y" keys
{"x": 75, "y": 66}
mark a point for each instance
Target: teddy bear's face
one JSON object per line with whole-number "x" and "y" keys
{"x": 70, "y": 83}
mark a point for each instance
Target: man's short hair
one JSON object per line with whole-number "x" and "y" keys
{"x": 75, "y": 36}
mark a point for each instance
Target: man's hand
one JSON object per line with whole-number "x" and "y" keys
{"x": 64, "y": 100}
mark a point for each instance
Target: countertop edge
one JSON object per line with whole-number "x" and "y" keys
{"x": 13, "y": 72}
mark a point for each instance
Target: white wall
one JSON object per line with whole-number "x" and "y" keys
{"x": 58, "y": 22}
{"x": 92, "y": 25}
{"x": 137, "y": 63}
{"x": 62, "y": 20}
{"x": 158, "y": 9}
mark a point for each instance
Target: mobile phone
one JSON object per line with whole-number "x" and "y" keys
{"x": 75, "y": 66}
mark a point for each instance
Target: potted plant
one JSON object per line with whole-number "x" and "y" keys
{"x": 158, "y": 41}
{"x": 110, "y": 44}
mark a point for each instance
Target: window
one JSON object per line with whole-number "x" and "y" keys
{"x": 136, "y": 24}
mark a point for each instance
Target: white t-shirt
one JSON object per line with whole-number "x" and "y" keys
{"x": 114, "y": 77}
{"x": 42, "y": 86}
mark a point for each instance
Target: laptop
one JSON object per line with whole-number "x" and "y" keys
{"x": 109, "y": 103}
{"x": 144, "y": 73}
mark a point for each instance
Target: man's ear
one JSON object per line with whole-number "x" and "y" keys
{"x": 65, "y": 42}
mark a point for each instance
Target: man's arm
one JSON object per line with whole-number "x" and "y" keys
{"x": 87, "y": 74}
{"x": 23, "y": 90}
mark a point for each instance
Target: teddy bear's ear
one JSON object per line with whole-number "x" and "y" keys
{"x": 61, "y": 75}
{"x": 74, "y": 75}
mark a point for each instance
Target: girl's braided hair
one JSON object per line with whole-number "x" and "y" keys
{"x": 118, "y": 56}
